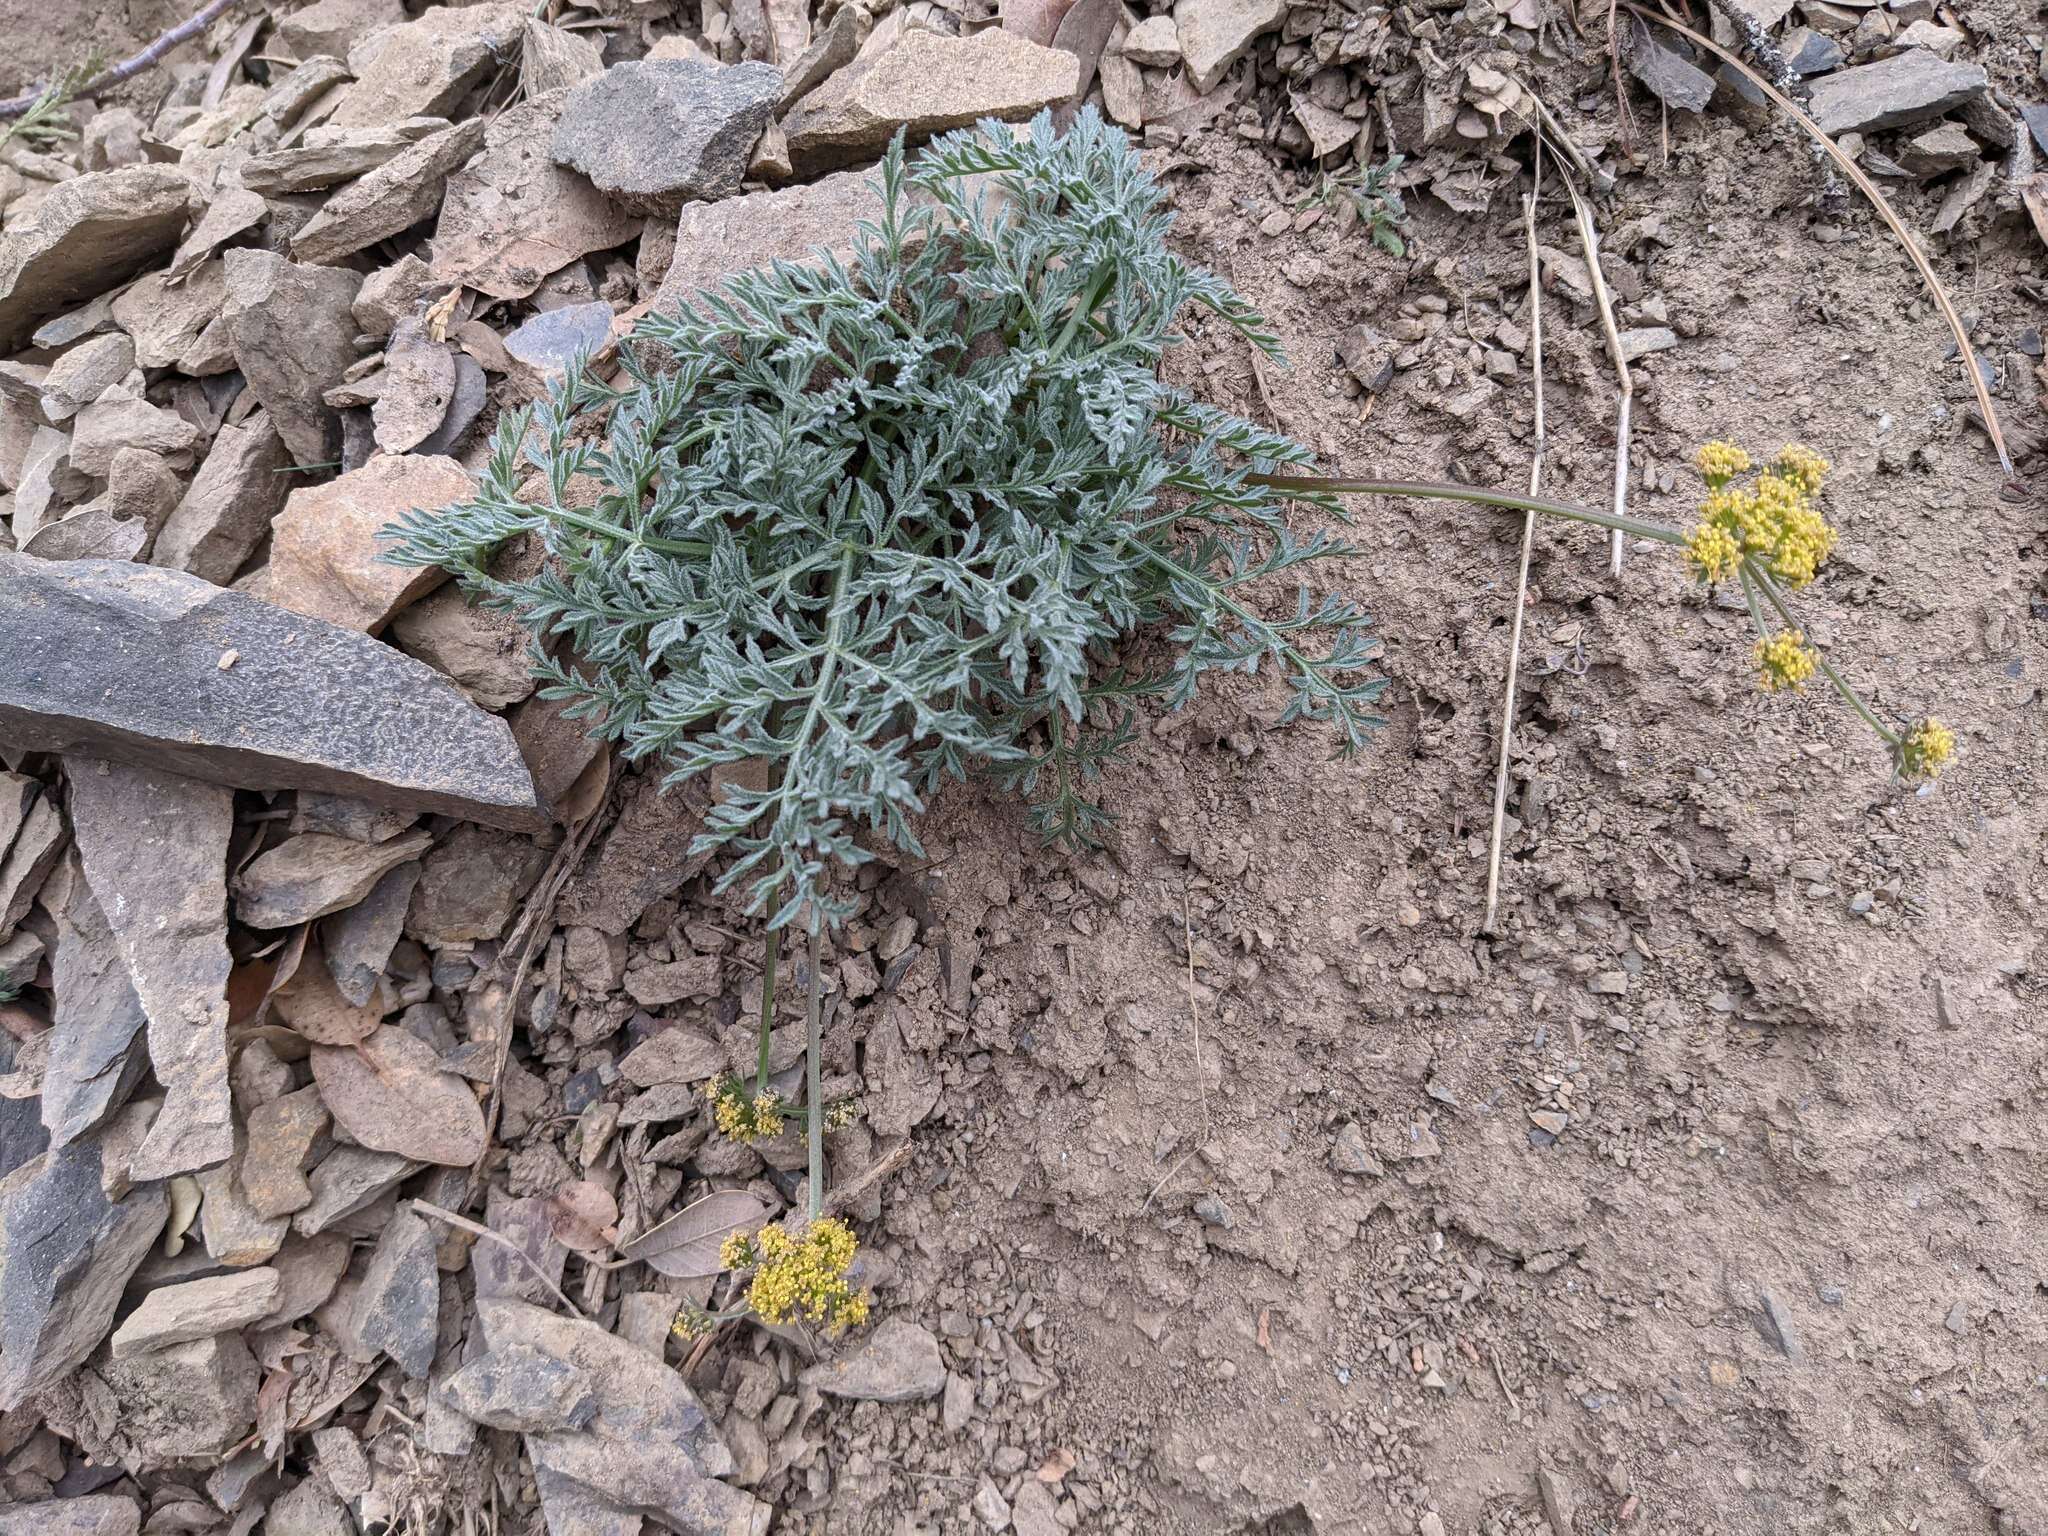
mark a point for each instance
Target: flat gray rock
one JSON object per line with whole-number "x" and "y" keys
{"x": 96, "y": 1056}
{"x": 357, "y": 943}
{"x": 648, "y": 1450}
{"x": 66, "y": 1254}
{"x": 346, "y": 1180}
{"x": 293, "y": 331}
{"x": 95, "y": 1514}
{"x": 154, "y": 846}
{"x": 1908, "y": 87}
{"x": 656, "y": 134}
{"x": 314, "y": 873}
{"x": 161, "y": 668}
{"x": 521, "y": 1388}
{"x": 198, "y": 1309}
{"x": 398, "y": 1308}
{"x": 397, "y": 195}
{"x": 425, "y": 67}
{"x": 1672, "y": 78}
{"x": 227, "y": 509}
{"x": 553, "y": 339}
{"x": 898, "y": 1363}
{"x": 87, "y": 235}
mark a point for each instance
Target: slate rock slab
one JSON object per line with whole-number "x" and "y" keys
{"x": 397, "y": 195}
{"x": 929, "y": 84}
{"x": 227, "y": 509}
{"x": 66, "y": 1254}
{"x": 425, "y": 67}
{"x": 1908, "y": 87}
{"x": 86, "y": 236}
{"x": 154, "y": 846}
{"x": 648, "y": 1450}
{"x": 95, "y": 1059}
{"x": 898, "y": 1363}
{"x": 1214, "y": 34}
{"x": 198, "y": 1309}
{"x": 397, "y": 1310}
{"x": 553, "y": 339}
{"x": 325, "y": 545}
{"x": 94, "y": 1514}
{"x": 512, "y": 216}
{"x": 522, "y": 1389}
{"x": 315, "y": 873}
{"x": 293, "y": 332}
{"x": 657, "y": 133}
{"x": 163, "y": 669}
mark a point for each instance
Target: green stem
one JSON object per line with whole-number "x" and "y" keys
{"x": 1445, "y": 490}
{"x": 768, "y": 960}
{"x": 813, "y": 1072}
{"x": 1854, "y": 700}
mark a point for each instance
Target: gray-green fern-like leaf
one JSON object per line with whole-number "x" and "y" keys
{"x": 881, "y": 521}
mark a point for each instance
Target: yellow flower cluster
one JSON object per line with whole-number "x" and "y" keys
{"x": 1719, "y": 463}
{"x": 1773, "y": 521}
{"x": 745, "y": 1116}
{"x": 692, "y": 1322}
{"x": 1785, "y": 660}
{"x": 1926, "y": 749}
{"x": 803, "y": 1277}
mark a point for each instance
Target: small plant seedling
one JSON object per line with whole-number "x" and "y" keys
{"x": 1372, "y": 195}
{"x": 869, "y": 524}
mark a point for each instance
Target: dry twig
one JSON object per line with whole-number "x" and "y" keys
{"x": 127, "y": 69}
{"x": 1589, "y": 242}
{"x": 1507, "y": 709}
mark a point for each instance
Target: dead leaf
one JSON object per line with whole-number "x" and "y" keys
{"x": 583, "y": 1216}
{"x": 440, "y": 312}
{"x": 685, "y": 1246}
{"x": 390, "y": 1094}
{"x": 312, "y": 1004}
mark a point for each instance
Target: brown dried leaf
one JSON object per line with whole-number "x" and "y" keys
{"x": 312, "y": 1004}
{"x": 583, "y": 1216}
{"x": 390, "y": 1094}
{"x": 686, "y": 1245}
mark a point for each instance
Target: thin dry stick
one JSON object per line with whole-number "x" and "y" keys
{"x": 1897, "y": 226}
{"x": 1187, "y": 928}
{"x": 1589, "y": 242}
{"x": 1507, "y": 708}
{"x": 478, "y": 1229}
{"x": 127, "y": 69}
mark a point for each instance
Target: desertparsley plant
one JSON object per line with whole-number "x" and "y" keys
{"x": 874, "y": 523}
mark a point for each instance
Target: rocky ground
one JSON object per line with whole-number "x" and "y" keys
{"x": 358, "y": 1011}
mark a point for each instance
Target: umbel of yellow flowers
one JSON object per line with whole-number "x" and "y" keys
{"x": 1770, "y": 537}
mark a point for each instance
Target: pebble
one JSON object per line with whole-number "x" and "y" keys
{"x": 1214, "y": 1212}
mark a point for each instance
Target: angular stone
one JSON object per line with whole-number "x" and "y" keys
{"x": 85, "y": 236}
{"x": 177, "y": 1314}
{"x": 898, "y": 1363}
{"x": 294, "y": 338}
{"x": 512, "y": 216}
{"x": 558, "y": 749}
{"x": 483, "y": 651}
{"x": 1214, "y": 34}
{"x": 233, "y": 1232}
{"x": 554, "y": 58}
{"x": 227, "y": 509}
{"x": 648, "y": 1451}
{"x": 552, "y": 341}
{"x": 179, "y": 326}
{"x": 928, "y": 84}
{"x": 391, "y": 199}
{"x": 1671, "y": 77}
{"x": 310, "y": 875}
{"x": 125, "y": 661}
{"x": 92, "y": 1514}
{"x": 66, "y": 1253}
{"x": 325, "y": 546}
{"x": 693, "y": 976}
{"x": 656, "y": 134}
{"x": 673, "y": 1055}
{"x": 154, "y": 846}
{"x": 95, "y": 1056}
{"x": 118, "y": 420}
{"x": 1154, "y": 43}
{"x": 425, "y": 67}
{"x": 828, "y": 53}
{"x": 1909, "y": 87}
{"x": 334, "y": 27}
{"x": 281, "y": 1136}
{"x": 1944, "y": 147}
{"x": 194, "y": 1399}
{"x": 357, "y": 943}
{"x": 418, "y": 386}
{"x": 397, "y": 1311}
{"x": 308, "y": 1509}
{"x": 472, "y": 885}
{"x": 644, "y": 857}
{"x": 35, "y": 840}
{"x": 229, "y": 212}
{"x": 330, "y": 157}
{"x": 348, "y": 1179}
{"x": 472, "y": 394}
{"x": 85, "y": 373}
{"x": 520, "y": 1388}
{"x": 390, "y": 1094}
